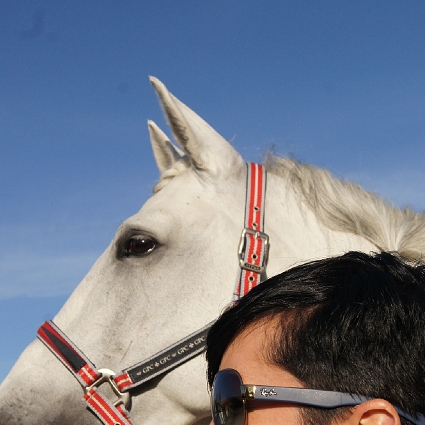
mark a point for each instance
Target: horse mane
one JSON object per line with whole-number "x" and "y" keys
{"x": 347, "y": 207}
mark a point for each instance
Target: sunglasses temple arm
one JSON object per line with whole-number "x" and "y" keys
{"x": 313, "y": 398}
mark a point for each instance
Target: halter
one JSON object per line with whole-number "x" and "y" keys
{"x": 253, "y": 256}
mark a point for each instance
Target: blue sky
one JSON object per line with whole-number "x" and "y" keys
{"x": 339, "y": 84}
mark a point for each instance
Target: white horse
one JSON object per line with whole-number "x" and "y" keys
{"x": 172, "y": 267}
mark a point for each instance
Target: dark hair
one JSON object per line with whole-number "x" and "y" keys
{"x": 354, "y": 323}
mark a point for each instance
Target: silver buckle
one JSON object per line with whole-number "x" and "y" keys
{"x": 246, "y": 265}
{"x": 107, "y": 376}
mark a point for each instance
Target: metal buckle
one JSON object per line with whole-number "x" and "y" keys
{"x": 246, "y": 265}
{"x": 107, "y": 376}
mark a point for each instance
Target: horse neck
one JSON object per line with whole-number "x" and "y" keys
{"x": 296, "y": 233}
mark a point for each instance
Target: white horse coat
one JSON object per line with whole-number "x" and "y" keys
{"x": 172, "y": 267}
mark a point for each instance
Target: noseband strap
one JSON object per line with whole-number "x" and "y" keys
{"x": 90, "y": 378}
{"x": 253, "y": 254}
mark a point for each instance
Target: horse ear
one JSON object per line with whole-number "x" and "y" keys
{"x": 165, "y": 153}
{"x": 205, "y": 148}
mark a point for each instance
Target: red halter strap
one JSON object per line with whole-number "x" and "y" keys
{"x": 253, "y": 254}
{"x": 254, "y": 244}
{"x": 115, "y": 413}
{"x": 88, "y": 376}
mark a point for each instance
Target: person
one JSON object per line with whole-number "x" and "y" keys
{"x": 333, "y": 341}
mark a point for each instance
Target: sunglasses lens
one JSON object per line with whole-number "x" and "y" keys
{"x": 226, "y": 402}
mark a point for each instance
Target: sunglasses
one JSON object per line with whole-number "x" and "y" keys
{"x": 229, "y": 396}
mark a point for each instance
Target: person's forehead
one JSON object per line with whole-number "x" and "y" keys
{"x": 249, "y": 355}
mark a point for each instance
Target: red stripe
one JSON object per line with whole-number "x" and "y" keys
{"x": 260, "y": 195}
{"x": 88, "y": 375}
{"x": 108, "y": 414}
{"x": 251, "y": 247}
{"x": 124, "y": 412}
{"x": 251, "y": 196}
{"x": 123, "y": 381}
{"x": 255, "y": 197}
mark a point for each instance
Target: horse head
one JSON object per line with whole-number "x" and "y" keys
{"x": 172, "y": 267}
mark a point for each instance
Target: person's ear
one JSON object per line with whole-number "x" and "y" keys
{"x": 373, "y": 412}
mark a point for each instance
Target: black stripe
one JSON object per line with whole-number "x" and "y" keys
{"x": 72, "y": 358}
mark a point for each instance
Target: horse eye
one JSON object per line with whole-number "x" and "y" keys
{"x": 139, "y": 246}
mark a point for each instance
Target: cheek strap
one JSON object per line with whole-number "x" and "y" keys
{"x": 254, "y": 243}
